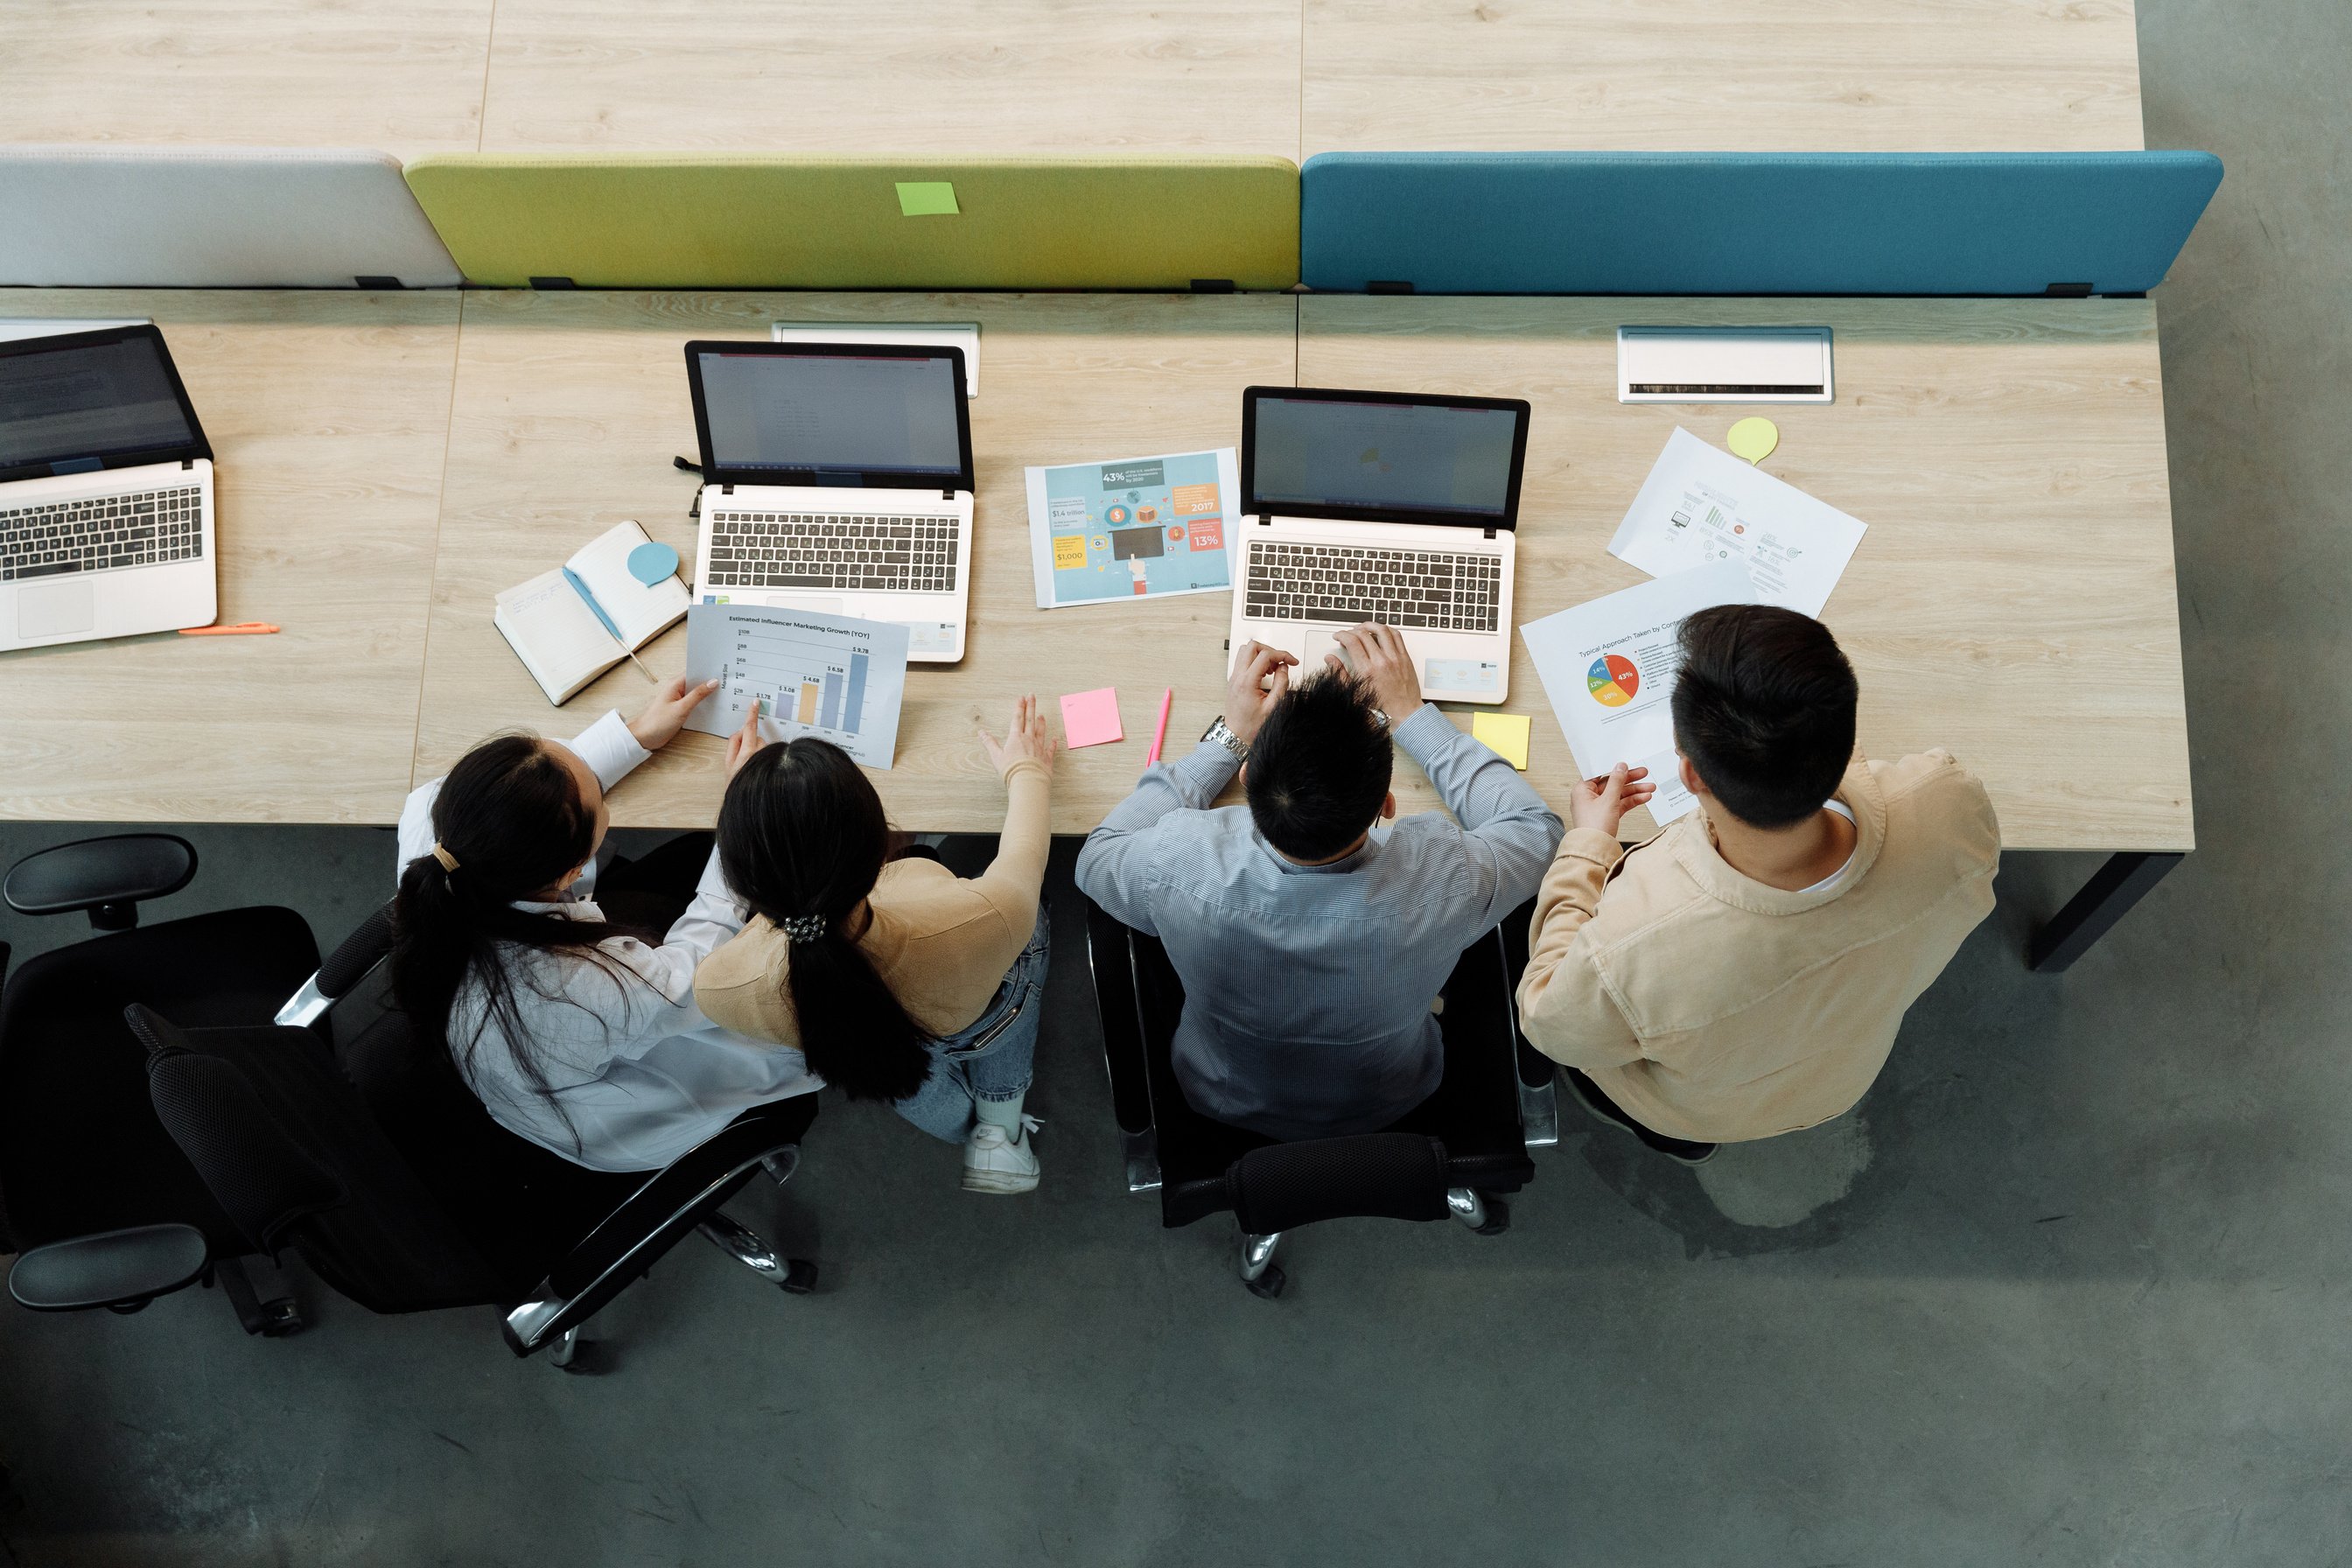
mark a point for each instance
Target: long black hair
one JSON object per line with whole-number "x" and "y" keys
{"x": 802, "y": 834}
{"x": 511, "y": 816}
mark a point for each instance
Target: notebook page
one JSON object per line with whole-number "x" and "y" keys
{"x": 641, "y": 612}
{"x": 555, "y": 635}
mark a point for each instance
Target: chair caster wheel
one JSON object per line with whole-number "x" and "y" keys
{"x": 800, "y": 1276}
{"x": 1498, "y": 1218}
{"x": 280, "y": 1318}
{"x": 1267, "y": 1286}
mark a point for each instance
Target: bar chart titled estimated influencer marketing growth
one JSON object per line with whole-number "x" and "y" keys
{"x": 830, "y": 676}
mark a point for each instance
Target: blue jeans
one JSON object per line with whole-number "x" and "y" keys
{"x": 993, "y": 1058}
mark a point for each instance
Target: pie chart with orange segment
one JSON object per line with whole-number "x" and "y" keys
{"x": 1613, "y": 680}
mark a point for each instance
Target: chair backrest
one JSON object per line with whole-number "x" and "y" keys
{"x": 1749, "y": 223}
{"x": 289, "y": 1151}
{"x": 213, "y": 217}
{"x": 1375, "y": 1175}
{"x": 80, "y": 1150}
{"x": 714, "y": 221}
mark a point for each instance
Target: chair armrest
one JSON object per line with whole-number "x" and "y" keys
{"x": 651, "y": 1220}
{"x": 351, "y": 961}
{"x": 106, "y": 876}
{"x": 125, "y": 1268}
{"x": 1110, "y": 956}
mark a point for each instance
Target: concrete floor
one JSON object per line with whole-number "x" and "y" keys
{"x": 2069, "y": 1288}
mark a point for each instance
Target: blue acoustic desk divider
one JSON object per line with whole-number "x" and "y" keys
{"x": 1749, "y": 223}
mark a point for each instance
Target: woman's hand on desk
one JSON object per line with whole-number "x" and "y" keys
{"x": 1602, "y": 802}
{"x": 1028, "y": 737}
{"x": 665, "y": 716}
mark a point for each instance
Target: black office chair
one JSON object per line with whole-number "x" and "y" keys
{"x": 107, "y": 1210}
{"x": 1451, "y": 1155}
{"x": 99, "y": 1205}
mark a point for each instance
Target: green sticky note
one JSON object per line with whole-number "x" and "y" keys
{"x": 926, "y": 198}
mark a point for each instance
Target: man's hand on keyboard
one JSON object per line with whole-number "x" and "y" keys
{"x": 1377, "y": 655}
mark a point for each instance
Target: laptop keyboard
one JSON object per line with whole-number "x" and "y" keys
{"x": 138, "y": 530}
{"x": 1426, "y": 588}
{"x": 819, "y": 550}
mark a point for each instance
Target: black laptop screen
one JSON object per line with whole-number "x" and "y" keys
{"x": 89, "y": 400}
{"x": 1377, "y": 457}
{"x": 834, "y": 412}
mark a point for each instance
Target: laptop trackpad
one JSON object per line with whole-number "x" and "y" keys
{"x": 55, "y": 610}
{"x": 814, "y": 605}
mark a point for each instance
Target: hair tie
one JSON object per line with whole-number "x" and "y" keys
{"x": 449, "y": 861}
{"x": 805, "y": 928}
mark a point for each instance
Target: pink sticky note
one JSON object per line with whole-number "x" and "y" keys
{"x": 1091, "y": 719}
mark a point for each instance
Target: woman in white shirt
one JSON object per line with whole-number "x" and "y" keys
{"x": 577, "y": 1033}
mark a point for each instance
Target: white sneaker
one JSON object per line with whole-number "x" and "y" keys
{"x": 995, "y": 1163}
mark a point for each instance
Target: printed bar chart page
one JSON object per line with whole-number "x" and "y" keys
{"x": 835, "y": 677}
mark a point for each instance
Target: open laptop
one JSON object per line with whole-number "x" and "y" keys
{"x": 1382, "y": 506}
{"x": 837, "y": 477}
{"x": 106, "y": 490}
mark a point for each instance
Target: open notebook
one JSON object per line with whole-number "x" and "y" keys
{"x": 554, "y": 629}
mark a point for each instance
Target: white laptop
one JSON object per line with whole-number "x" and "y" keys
{"x": 106, "y": 490}
{"x": 1382, "y": 506}
{"x": 836, "y": 477}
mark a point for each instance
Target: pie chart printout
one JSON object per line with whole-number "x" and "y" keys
{"x": 1613, "y": 680}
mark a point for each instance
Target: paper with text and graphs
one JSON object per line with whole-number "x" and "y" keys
{"x": 1701, "y": 505}
{"x": 1134, "y": 528}
{"x": 1608, "y": 668}
{"x": 833, "y": 676}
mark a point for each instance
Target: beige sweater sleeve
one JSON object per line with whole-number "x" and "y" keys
{"x": 1015, "y": 879}
{"x": 1564, "y": 1006}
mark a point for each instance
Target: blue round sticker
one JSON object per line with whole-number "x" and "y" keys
{"x": 650, "y": 562}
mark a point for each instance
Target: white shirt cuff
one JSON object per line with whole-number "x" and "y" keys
{"x": 608, "y": 749}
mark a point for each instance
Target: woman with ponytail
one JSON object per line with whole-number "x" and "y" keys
{"x": 572, "y": 1021}
{"x": 897, "y": 979}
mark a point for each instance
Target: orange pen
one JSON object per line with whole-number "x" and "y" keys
{"x": 241, "y": 630}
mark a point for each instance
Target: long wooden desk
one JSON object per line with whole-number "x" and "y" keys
{"x": 2013, "y": 600}
{"x": 571, "y": 406}
{"x": 328, "y": 415}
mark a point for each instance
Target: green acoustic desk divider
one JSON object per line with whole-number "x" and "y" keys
{"x": 664, "y": 221}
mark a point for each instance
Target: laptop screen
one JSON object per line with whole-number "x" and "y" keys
{"x": 72, "y": 399}
{"x": 831, "y": 417}
{"x": 1385, "y": 458}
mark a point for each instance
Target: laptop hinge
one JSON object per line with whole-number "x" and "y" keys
{"x": 1388, "y": 285}
{"x": 947, "y": 495}
{"x": 727, "y": 489}
{"x": 1490, "y": 533}
{"x": 187, "y": 462}
{"x": 1264, "y": 520}
{"x": 2067, "y": 291}
{"x": 553, "y": 283}
{"x": 1213, "y": 285}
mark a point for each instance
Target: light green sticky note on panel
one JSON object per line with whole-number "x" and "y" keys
{"x": 926, "y": 198}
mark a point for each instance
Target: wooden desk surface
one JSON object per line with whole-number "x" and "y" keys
{"x": 328, "y": 415}
{"x": 912, "y": 76}
{"x": 1719, "y": 76}
{"x": 570, "y": 406}
{"x": 405, "y": 79}
{"x": 2013, "y": 600}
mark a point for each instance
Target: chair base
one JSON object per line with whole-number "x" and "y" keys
{"x": 793, "y": 1276}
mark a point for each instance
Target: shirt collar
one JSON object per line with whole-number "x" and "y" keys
{"x": 1693, "y": 847}
{"x": 1290, "y": 867}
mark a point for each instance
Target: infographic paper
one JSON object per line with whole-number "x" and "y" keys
{"x": 1132, "y": 529}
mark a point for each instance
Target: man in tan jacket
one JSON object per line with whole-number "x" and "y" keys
{"x": 1743, "y": 973}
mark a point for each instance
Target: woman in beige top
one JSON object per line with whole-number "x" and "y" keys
{"x": 897, "y": 979}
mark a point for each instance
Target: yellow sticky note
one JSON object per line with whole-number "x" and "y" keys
{"x": 1504, "y": 734}
{"x": 1069, "y": 552}
{"x": 926, "y": 198}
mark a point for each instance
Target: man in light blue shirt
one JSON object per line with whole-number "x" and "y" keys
{"x": 1313, "y": 932}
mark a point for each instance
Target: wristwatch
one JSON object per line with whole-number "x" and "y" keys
{"x": 1223, "y": 734}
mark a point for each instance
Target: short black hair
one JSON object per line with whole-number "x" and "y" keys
{"x": 1764, "y": 709}
{"x": 1319, "y": 770}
